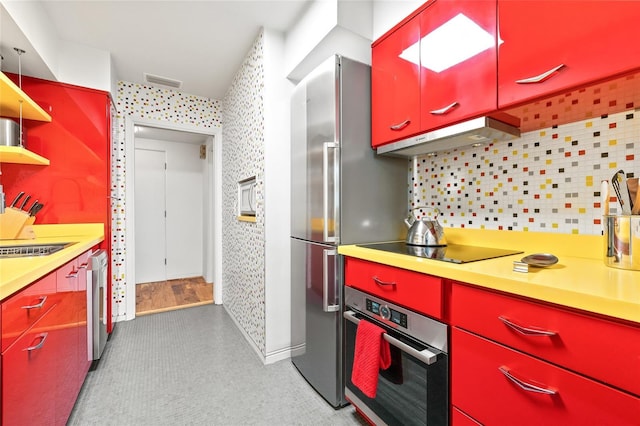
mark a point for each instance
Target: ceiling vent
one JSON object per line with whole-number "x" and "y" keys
{"x": 162, "y": 81}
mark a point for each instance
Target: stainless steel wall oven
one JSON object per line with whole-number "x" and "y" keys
{"x": 414, "y": 390}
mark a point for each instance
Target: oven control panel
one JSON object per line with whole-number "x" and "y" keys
{"x": 386, "y": 312}
{"x": 411, "y": 323}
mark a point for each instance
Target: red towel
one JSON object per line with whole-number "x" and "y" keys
{"x": 372, "y": 353}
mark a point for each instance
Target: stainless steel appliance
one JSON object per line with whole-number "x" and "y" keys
{"x": 414, "y": 390}
{"x": 97, "y": 295}
{"x": 341, "y": 193}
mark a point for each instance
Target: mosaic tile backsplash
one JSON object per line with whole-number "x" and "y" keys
{"x": 546, "y": 181}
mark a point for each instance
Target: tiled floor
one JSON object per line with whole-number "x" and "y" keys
{"x": 194, "y": 367}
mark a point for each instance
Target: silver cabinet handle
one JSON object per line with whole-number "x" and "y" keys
{"x": 38, "y": 305}
{"x": 529, "y": 387}
{"x": 445, "y": 110}
{"x": 425, "y": 355}
{"x": 73, "y": 274}
{"x": 325, "y": 190}
{"x": 400, "y": 126}
{"x": 83, "y": 266}
{"x": 527, "y": 331}
{"x": 325, "y": 281}
{"x": 540, "y": 78}
{"x": 41, "y": 337}
{"x": 383, "y": 283}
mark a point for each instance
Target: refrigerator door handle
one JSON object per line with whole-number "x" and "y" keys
{"x": 326, "y": 224}
{"x": 325, "y": 281}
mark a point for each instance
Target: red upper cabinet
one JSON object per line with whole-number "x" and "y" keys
{"x": 583, "y": 41}
{"x": 436, "y": 68}
{"x": 458, "y": 58}
{"x": 395, "y": 84}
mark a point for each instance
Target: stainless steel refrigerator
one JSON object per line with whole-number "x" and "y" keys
{"x": 341, "y": 193}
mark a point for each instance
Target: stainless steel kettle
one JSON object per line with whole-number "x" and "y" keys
{"x": 425, "y": 231}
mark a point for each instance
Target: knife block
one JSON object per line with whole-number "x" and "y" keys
{"x": 16, "y": 224}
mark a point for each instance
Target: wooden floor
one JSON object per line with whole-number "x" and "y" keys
{"x": 169, "y": 295}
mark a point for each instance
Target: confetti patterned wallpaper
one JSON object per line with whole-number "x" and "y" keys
{"x": 243, "y": 243}
{"x": 546, "y": 181}
{"x": 164, "y": 105}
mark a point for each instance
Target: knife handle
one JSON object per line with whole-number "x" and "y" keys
{"x": 35, "y": 203}
{"x": 15, "y": 200}
{"x": 24, "y": 202}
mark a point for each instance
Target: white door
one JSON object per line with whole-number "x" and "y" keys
{"x": 150, "y": 215}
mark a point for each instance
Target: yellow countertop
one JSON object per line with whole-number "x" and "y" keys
{"x": 579, "y": 280}
{"x": 17, "y": 273}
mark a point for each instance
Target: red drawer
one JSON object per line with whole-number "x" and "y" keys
{"x": 413, "y": 290}
{"x": 482, "y": 390}
{"x": 24, "y": 308}
{"x": 605, "y": 350}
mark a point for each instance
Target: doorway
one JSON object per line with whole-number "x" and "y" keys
{"x": 195, "y": 209}
{"x": 151, "y": 235}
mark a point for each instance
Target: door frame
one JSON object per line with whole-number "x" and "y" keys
{"x": 213, "y": 239}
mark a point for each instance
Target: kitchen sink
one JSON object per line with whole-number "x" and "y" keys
{"x": 28, "y": 250}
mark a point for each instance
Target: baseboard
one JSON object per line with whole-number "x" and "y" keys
{"x": 270, "y": 358}
{"x": 279, "y": 355}
{"x": 246, "y": 336}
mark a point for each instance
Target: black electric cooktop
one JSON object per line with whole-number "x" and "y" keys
{"x": 450, "y": 253}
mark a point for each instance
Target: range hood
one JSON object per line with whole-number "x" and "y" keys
{"x": 482, "y": 130}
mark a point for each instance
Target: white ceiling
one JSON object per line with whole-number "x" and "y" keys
{"x": 201, "y": 43}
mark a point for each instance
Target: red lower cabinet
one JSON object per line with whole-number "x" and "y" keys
{"x": 45, "y": 361}
{"x": 497, "y": 385}
{"x": 29, "y": 375}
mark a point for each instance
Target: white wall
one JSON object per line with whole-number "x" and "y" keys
{"x": 277, "y": 199}
{"x": 328, "y": 27}
{"x": 387, "y": 13}
{"x": 84, "y": 66}
{"x": 185, "y": 180}
{"x": 32, "y": 21}
{"x": 52, "y": 58}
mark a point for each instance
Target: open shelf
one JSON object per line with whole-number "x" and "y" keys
{"x": 10, "y": 98}
{"x": 16, "y": 154}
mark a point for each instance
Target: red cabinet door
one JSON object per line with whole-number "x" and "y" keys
{"x": 410, "y": 289}
{"x": 458, "y": 57}
{"x": 23, "y": 309}
{"x": 395, "y": 85}
{"x": 589, "y": 40}
{"x": 560, "y": 336}
{"x": 29, "y": 376}
{"x": 480, "y": 387}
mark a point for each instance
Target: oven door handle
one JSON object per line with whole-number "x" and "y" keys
{"x": 424, "y": 355}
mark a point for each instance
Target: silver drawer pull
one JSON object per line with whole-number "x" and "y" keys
{"x": 528, "y": 331}
{"x": 383, "y": 283}
{"x": 73, "y": 274}
{"x": 424, "y": 355}
{"x": 539, "y": 78}
{"x": 42, "y": 337}
{"x": 445, "y": 110}
{"x": 529, "y": 387}
{"x": 85, "y": 265}
{"x": 400, "y": 126}
{"x": 37, "y": 305}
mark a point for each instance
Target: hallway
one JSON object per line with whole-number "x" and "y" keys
{"x": 193, "y": 367}
{"x": 170, "y": 295}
